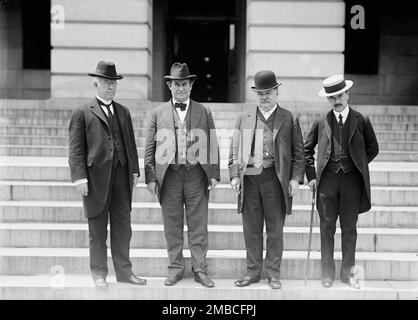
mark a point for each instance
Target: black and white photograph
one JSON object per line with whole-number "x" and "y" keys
{"x": 208, "y": 155}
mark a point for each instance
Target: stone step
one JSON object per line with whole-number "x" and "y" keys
{"x": 220, "y": 123}
{"x": 67, "y": 286}
{"x": 62, "y": 151}
{"x": 62, "y": 132}
{"x": 64, "y": 191}
{"x": 219, "y": 112}
{"x": 224, "y": 143}
{"x": 219, "y": 213}
{"x": 151, "y": 236}
{"x": 221, "y": 263}
{"x": 56, "y": 169}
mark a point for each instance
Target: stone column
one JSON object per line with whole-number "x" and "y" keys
{"x": 301, "y": 41}
{"x": 109, "y": 30}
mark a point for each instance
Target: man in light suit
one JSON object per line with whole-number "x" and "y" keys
{"x": 346, "y": 144}
{"x": 104, "y": 168}
{"x": 266, "y": 165}
{"x": 181, "y": 166}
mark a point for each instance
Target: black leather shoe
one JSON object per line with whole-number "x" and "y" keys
{"x": 203, "y": 279}
{"x": 133, "y": 280}
{"x": 274, "y": 283}
{"x": 352, "y": 283}
{"x": 101, "y": 283}
{"x": 327, "y": 282}
{"x": 246, "y": 281}
{"x": 173, "y": 279}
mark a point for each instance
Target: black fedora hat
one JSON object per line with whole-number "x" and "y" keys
{"x": 180, "y": 71}
{"x": 265, "y": 80}
{"x": 106, "y": 70}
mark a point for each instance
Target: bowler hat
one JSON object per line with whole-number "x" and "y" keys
{"x": 334, "y": 85}
{"x": 265, "y": 80}
{"x": 180, "y": 71}
{"x": 106, "y": 70}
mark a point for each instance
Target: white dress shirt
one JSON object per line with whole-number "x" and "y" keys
{"x": 344, "y": 113}
{"x": 267, "y": 114}
{"x": 182, "y": 114}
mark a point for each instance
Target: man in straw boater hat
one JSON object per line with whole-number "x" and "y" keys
{"x": 104, "y": 168}
{"x": 266, "y": 165}
{"x": 346, "y": 144}
{"x": 181, "y": 166}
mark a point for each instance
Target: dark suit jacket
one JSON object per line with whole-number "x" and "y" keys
{"x": 160, "y": 148}
{"x": 288, "y": 148}
{"x": 89, "y": 151}
{"x": 362, "y": 146}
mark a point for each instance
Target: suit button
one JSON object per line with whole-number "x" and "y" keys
{"x": 111, "y": 150}
{"x": 110, "y": 138}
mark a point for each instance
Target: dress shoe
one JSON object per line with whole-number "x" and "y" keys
{"x": 246, "y": 281}
{"x": 274, "y": 283}
{"x": 133, "y": 279}
{"x": 203, "y": 279}
{"x": 101, "y": 283}
{"x": 173, "y": 279}
{"x": 352, "y": 283}
{"x": 327, "y": 282}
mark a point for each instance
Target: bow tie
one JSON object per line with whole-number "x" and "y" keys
{"x": 104, "y": 104}
{"x": 182, "y": 106}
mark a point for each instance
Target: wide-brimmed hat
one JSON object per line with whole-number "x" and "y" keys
{"x": 334, "y": 85}
{"x": 106, "y": 70}
{"x": 180, "y": 71}
{"x": 265, "y": 80}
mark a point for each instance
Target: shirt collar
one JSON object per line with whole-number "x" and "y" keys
{"x": 268, "y": 113}
{"x": 344, "y": 113}
{"x": 103, "y": 100}
{"x": 187, "y": 102}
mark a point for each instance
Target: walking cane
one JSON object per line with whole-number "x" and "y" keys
{"x": 310, "y": 235}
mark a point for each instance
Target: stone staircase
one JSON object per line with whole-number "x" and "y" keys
{"x": 44, "y": 237}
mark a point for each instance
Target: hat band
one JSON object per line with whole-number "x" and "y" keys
{"x": 336, "y": 87}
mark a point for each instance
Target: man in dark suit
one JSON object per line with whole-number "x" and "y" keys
{"x": 181, "y": 166}
{"x": 104, "y": 168}
{"x": 266, "y": 165}
{"x": 346, "y": 144}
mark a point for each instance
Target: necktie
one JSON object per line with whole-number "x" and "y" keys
{"x": 107, "y": 106}
{"x": 182, "y": 106}
{"x": 341, "y": 120}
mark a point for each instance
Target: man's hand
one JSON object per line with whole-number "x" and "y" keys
{"x": 153, "y": 188}
{"x": 235, "y": 184}
{"x": 83, "y": 189}
{"x": 293, "y": 187}
{"x": 312, "y": 185}
{"x": 135, "y": 180}
{"x": 213, "y": 183}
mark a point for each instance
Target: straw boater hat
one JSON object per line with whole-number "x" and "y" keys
{"x": 265, "y": 80}
{"x": 335, "y": 85}
{"x": 106, "y": 70}
{"x": 180, "y": 71}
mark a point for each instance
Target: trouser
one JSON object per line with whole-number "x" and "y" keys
{"x": 339, "y": 194}
{"x": 263, "y": 201}
{"x": 185, "y": 189}
{"x": 117, "y": 207}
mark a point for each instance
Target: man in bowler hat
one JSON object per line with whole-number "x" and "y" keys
{"x": 104, "y": 168}
{"x": 346, "y": 145}
{"x": 266, "y": 165}
{"x": 181, "y": 166}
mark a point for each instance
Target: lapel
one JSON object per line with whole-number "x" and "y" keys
{"x": 168, "y": 121}
{"x": 327, "y": 124}
{"x": 279, "y": 119}
{"x": 248, "y": 124}
{"x": 352, "y": 124}
{"x": 120, "y": 116}
{"x": 195, "y": 114}
{"x": 97, "y": 110}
